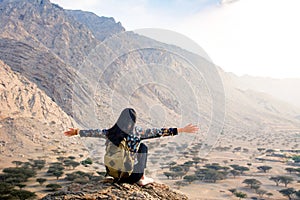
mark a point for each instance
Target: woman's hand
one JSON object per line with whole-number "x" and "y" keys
{"x": 71, "y": 132}
{"x": 190, "y": 128}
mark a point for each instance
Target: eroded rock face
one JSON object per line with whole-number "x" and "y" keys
{"x": 116, "y": 191}
{"x": 21, "y": 98}
{"x": 101, "y": 27}
{"x": 29, "y": 118}
{"x": 50, "y": 46}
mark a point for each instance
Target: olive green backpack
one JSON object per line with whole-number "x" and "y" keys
{"x": 118, "y": 161}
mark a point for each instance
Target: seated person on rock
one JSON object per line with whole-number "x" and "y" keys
{"x": 126, "y": 156}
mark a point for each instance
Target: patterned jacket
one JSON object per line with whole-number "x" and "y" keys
{"x": 133, "y": 140}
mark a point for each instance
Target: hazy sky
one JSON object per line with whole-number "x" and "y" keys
{"x": 256, "y": 37}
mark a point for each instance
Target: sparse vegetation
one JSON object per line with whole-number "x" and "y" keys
{"x": 214, "y": 172}
{"x": 240, "y": 195}
{"x": 53, "y": 186}
{"x": 241, "y": 169}
{"x": 296, "y": 158}
{"x": 289, "y": 192}
{"x": 15, "y": 177}
{"x": 87, "y": 161}
{"x": 264, "y": 168}
{"x": 22, "y": 194}
{"x": 286, "y": 180}
{"x": 290, "y": 169}
{"x": 276, "y": 179}
{"x": 41, "y": 180}
{"x": 252, "y": 182}
{"x": 235, "y": 173}
{"x": 190, "y": 178}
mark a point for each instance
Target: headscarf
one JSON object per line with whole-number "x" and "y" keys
{"x": 123, "y": 127}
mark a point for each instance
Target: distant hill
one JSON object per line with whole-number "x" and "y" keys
{"x": 284, "y": 89}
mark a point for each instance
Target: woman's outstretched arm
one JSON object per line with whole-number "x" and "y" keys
{"x": 156, "y": 132}
{"x": 86, "y": 133}
{"x": 190, "y": 128}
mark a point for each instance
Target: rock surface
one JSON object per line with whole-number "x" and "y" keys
{"x": 21, "y": 98}
{"x": 110, "y": 191}
{"x": 101, "y": 27}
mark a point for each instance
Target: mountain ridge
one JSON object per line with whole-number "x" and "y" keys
{"x": 285, "y": 89}
{"x": 101, "y": 27}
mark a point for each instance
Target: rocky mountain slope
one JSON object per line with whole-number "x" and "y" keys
{"x": 57, "y": 46}
{"x": 101, "y": 27}
{"x": 21, "y": 98}
{"x": 49, "y": 47}
{"x": 29, "y": 119}
{"x": 42, "y": 24}
{"x": 267, "y": 108}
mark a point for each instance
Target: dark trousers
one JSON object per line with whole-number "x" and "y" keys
{"x": 139, "y": 168}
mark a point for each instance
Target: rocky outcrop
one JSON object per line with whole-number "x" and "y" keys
{"x": 101, "y": 27}
{"x": 117, "y": 191}
{"x": 42, "y": 24}
{"x": 51, "y": 48}
{"x": 21, "y": 98}
{"x": 49, "y": 73}
{"x": 28, "y": 117}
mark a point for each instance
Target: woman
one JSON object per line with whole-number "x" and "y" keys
{"x": 125, "y": 129}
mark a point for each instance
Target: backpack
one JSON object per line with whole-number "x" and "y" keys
{"x": 118, "y": 160}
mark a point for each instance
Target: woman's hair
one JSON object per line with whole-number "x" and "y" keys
{"x": 123, "y": 127}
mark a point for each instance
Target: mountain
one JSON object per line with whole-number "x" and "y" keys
{"x": 42, "y": 24}
{"x": 101, "y": 27}
{"x": 49, "y": 47}
{"x": 93, "y": 71}
{"x": 40, "y": 66}
{"x": 28, "y": 117}
{"x": 21, "y": 98}
{"x": 57, "y": 46}
{"x": 286, "y": 89}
